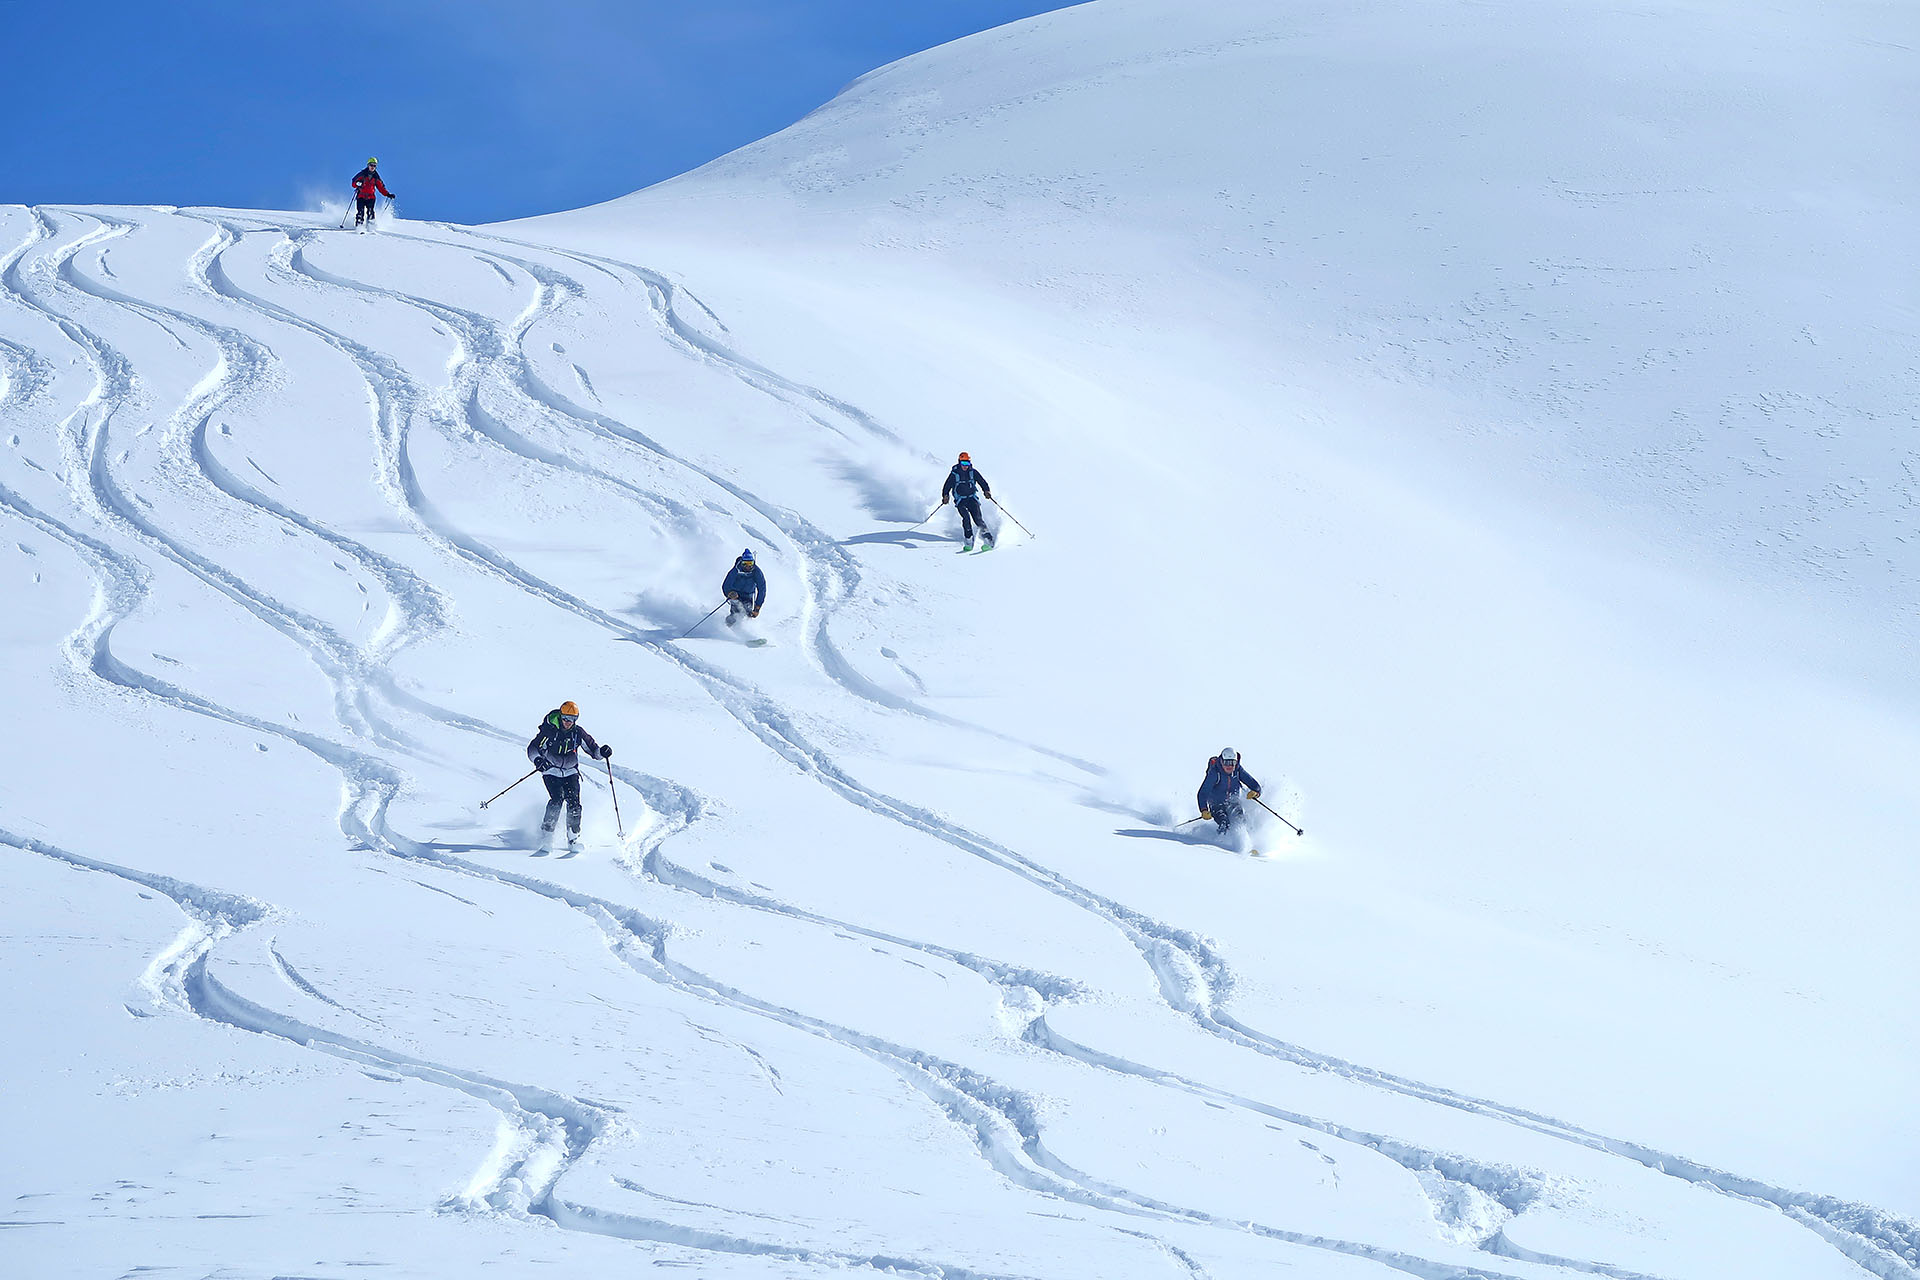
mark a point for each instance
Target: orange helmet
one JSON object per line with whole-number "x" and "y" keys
{"x": 966, "y": 457}
{"x": 569, "y": 709}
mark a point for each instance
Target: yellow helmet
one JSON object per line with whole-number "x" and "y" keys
{"x": 373, "y": 162}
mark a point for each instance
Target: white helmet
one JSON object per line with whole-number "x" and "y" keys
{"x": 1228, "y": 755}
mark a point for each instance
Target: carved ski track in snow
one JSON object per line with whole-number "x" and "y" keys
{"x": 833, "y": 574}
{"x": 91, "y": 456}
{"x": 415, "y": 609}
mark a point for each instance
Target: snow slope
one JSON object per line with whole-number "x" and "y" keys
{"x": 1596, "y": 958}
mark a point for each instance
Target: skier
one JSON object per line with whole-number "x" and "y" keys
{"x": 554, "y": 751}
{"x": 367, "y": 184}
{"x": 1219, "y": 796}
{"x": 965, "y": 487}
{"x": 745, "y": 587}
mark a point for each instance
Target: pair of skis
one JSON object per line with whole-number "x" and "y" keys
{"x": 574, "y": 845}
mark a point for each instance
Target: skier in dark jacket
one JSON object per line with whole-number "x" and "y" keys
{"x": 366, "y": 185}
{"x": 965, "y": 487}
{"x": 745, "y": 588}
{"x": 1219, "y": 796}
{"x": 555, "y": 752}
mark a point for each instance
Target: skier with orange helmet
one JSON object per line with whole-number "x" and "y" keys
{"x": 964, "y": 488}
{"x": 555, "y": 752}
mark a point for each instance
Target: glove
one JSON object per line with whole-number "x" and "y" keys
{"x": 1252, "y": 794}
{"x": 606, "y": 752}
{"x": 753, "y": 613}
{"x": 733, "y": 595}
{"x": 542, "y": 763}
{"x": 1206, "y": 813}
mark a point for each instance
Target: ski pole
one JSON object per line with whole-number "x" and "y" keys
{"x": 930, "y": 515}
{"x": 696, "y": 626}
{"x": 510, "y": 786}
{"x": 1270, "y": 809}
{"x": 1009, "y": 515}
{"x": 617, "y": 824}
{"x": 1190, "y": 821}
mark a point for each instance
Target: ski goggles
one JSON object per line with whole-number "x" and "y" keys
{"x": 569, "y": 721}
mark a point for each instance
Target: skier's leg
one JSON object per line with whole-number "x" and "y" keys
{"x": 555, "y": 794}
{"x": 573, "y": 805}
{"x": 969, "y": 509}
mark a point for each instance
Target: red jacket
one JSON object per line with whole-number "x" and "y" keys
{"x": 367, "y": 181}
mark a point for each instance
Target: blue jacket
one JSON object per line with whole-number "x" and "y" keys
{"x": 1219, "y": 786}
{"x": 747, "y": 582}
{"x": 960, "y": 484}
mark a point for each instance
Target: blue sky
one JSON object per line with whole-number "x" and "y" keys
{"x": 478, "y": 109}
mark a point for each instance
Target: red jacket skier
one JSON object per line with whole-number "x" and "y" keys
{"x": 366, "y": 185}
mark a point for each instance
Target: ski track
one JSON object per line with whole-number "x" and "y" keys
{"x": 1192, "y": 978}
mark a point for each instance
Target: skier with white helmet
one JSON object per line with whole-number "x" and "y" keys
{"x": 1219, "y": 796}
{"x": 367, "y": 186}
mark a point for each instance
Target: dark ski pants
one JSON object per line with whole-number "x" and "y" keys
{"x": 1227, "y": 813}
{"x": 362, "y": 209}
{"x": 969, "y": 509}
{"x": 561, "y": 790}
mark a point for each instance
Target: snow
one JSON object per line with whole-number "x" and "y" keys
{"x": 1492, "y": 419}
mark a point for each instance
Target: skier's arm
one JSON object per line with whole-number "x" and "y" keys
{"x": 946, "y": 490}
{"x": 593, "y": 748}
{"x": 534, "y": 753}
{"x": 986, "y": 490}
{"x": 759, "y": 588}
{"x": 1249, "y": 781}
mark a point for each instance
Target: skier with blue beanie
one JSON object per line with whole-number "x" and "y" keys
{"x": 745, "y": 588}
{"x": 1219, "y": 796}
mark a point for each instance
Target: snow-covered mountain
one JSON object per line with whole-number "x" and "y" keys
{"x": 1493, "y": 419}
